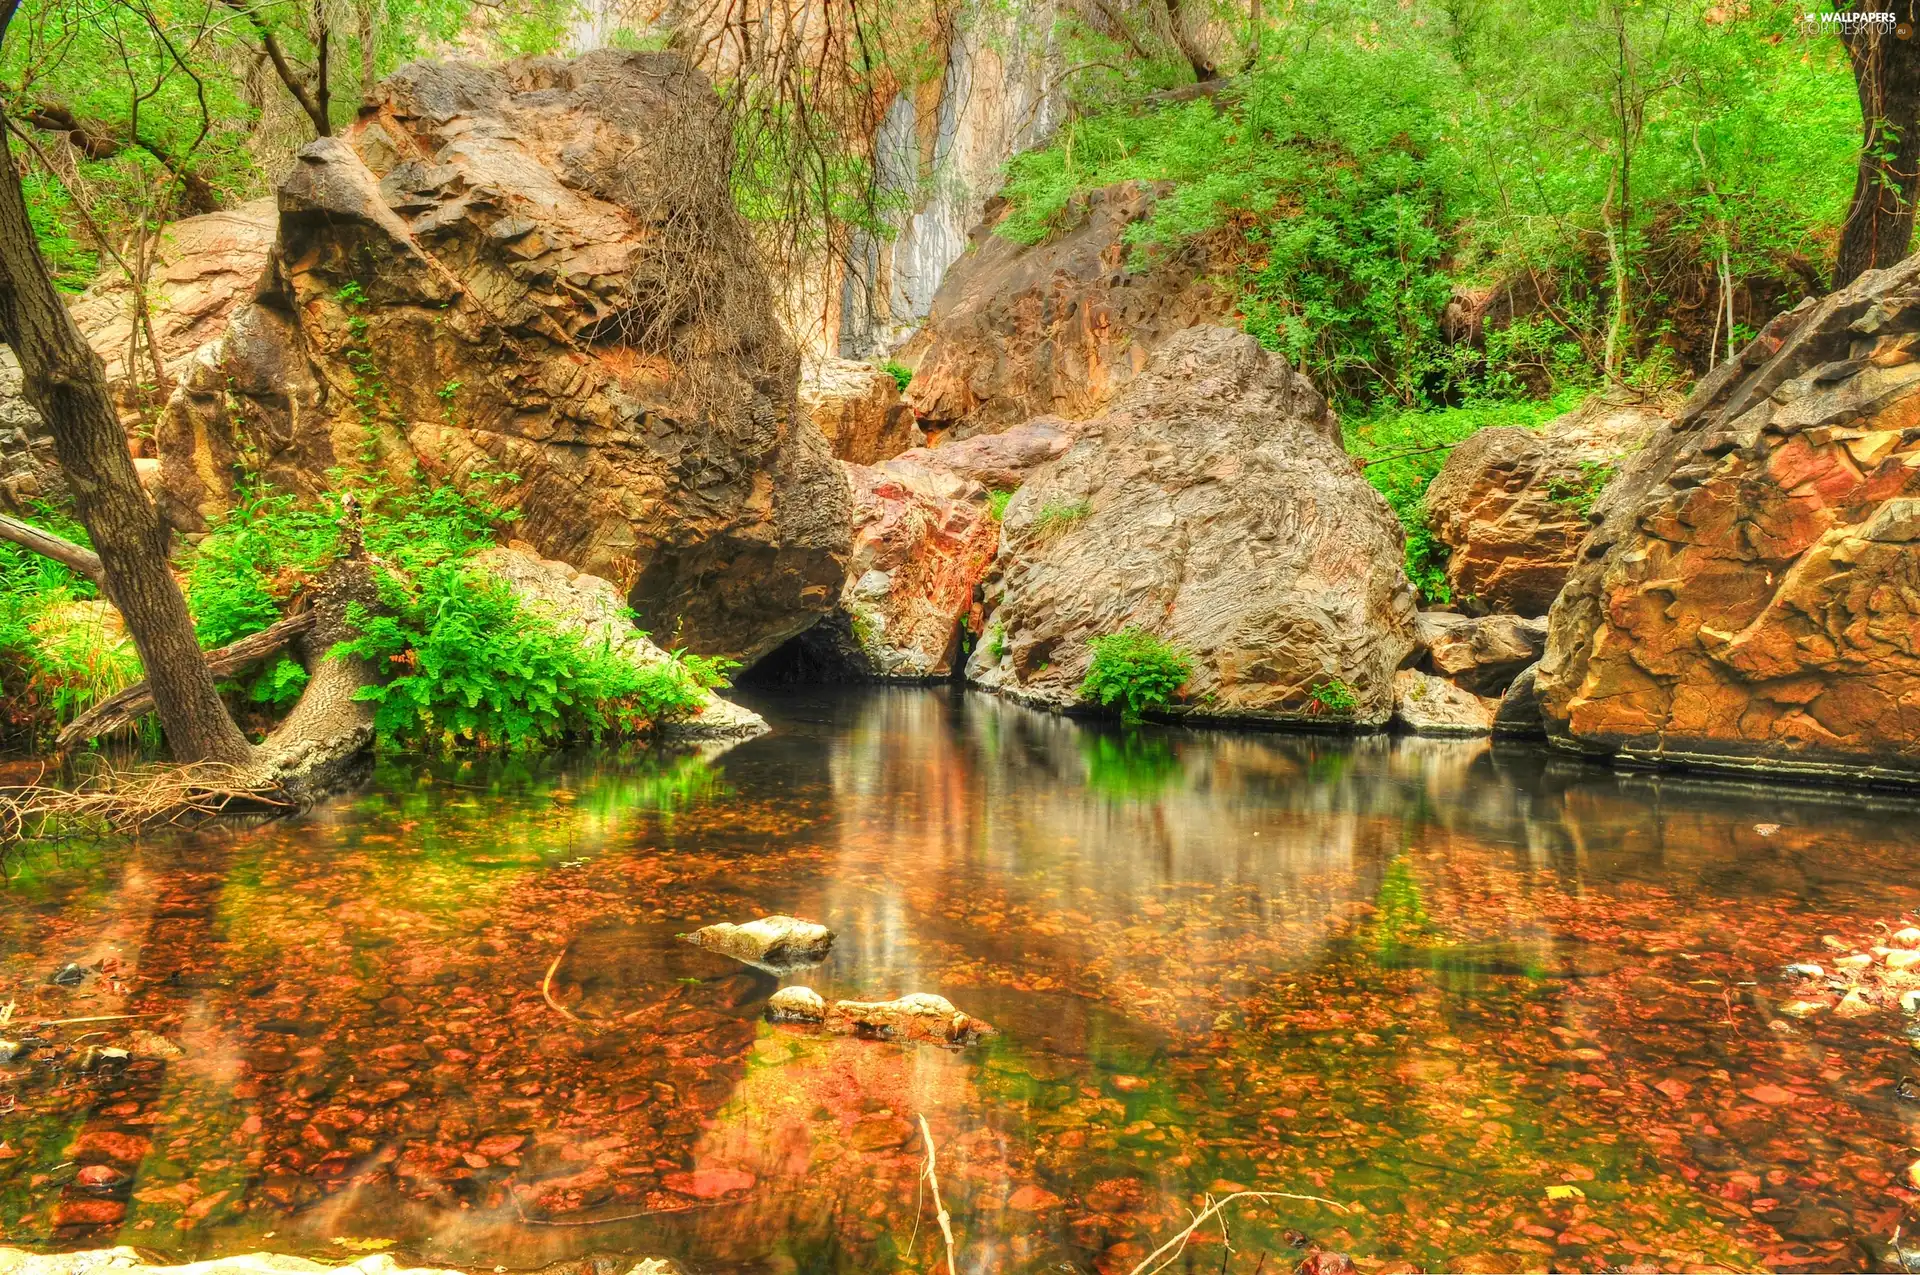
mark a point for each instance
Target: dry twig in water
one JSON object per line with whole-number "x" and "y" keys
{"x": 546, "y": 990}
{"x": 1173, "y": 1247}
{"x": 130, "y": 800}
{"x": 939, "y": 1206}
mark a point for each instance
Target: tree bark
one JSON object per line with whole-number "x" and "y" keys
{"x": 312, "y": 101}
{"x": 124, "y": 709}
{"x": 65, "y": 381}
{"x": 1886, "y": 73}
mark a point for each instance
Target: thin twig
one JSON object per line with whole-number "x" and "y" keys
{"x": 546, "y": 988}
{"x": 939, "y": 1205}
{"x": 1173, "y": 1247}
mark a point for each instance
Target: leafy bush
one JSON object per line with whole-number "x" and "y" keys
{"x": 997, "y": 501}
{"x": 1579, "y": 494}
{"x": 1135, "y": 669}
{"x": 471, "y": 665}
{"x": 53, "y": 668}
{"x": 1334, "y": 697}
{"x": 902, "y": 374}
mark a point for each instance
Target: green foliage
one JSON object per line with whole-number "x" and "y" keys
{"x": 1404, "y": 450}
{"x": 471, "y": 666}
{"x": 1334, "y": 697}
{"x": 902, "y": 374}
{"x": 1579, "y": 494}
{"x": 997, "y": 501}
{"x": 1352, "y": 182}
{"x": 997, "y": 641}
{"x": 1136, "y": 670}
{"x": 1058, "y": 515}
{"x": 56, "y": 660}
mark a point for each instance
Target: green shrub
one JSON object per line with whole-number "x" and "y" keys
{"x": 1136, "y": 670}
{"x": 902, "y": 374}
{"x": 471, "y": 665}
{"x": 1058, "y": 515}
{"x": 52, "y": 669}
{"x": 997, "y": 501}
{"x": 1335, "y": 698}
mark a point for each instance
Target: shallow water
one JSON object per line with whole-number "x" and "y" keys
{"x": 1426, "y": 981}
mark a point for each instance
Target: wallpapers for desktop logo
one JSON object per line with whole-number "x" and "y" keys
{"x": 1848, "y": 23}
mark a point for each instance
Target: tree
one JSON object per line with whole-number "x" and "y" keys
{"x": 65, "y": 380}
{"x": 1885, "y": 54}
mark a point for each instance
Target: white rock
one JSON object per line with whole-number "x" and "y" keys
{"x": 775, "y": 943}
{"x": 796, "y": 1005}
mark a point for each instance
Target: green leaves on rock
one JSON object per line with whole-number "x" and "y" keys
{"x": 1136, "y": 670}
{"x": 470, "y": 664}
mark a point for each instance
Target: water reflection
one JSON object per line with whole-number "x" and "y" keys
{"x": 1429, "y": 979}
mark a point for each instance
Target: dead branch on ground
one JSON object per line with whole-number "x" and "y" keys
{"x": 1175, "y": 1246}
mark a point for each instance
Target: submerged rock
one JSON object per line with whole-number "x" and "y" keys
{"x": 1214, "y": 507}
{"x": 536, "y": 269}
{"x": 1023, "y": 330}
{"x": 1751, "y": 600}
{"x": 921, "y": 1017}
{"x": 772, "y": 942}
{"x": 1512, "y": 504}
{"x": 857, "y": 407}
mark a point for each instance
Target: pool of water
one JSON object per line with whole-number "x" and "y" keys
{"x": 1499, "y": 1012}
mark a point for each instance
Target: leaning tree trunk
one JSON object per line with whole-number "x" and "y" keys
{"x": 1886, "y": 72}
{"x": 64, "y": 379}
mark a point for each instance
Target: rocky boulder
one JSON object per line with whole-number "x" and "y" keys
{"x": 204, "y": 268}
{"x": 1427, "y": 704}
{"x": 1512, "y": 504}
{"x": 1480, "y": 654}
{"x": 924, "y": 536}
{"x": 1752, "y": 600}
{"x": 592, "y": 609}
{"x": 857, "y": 407}
{"x": 29, "y": 471}
{"x": 921, "y": 1017}
{"x": 776, "y": 943}
{"x": 1018, "y": 331}
{"x": 1214, "y": 507}
{"x": 536, "y": 269}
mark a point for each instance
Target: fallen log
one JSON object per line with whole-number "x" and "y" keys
{"x": 47, "y": 545}
{"x": 129, "y": 706}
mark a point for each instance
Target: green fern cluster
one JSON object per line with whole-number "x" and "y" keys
{"x": 1136, "y": 670}
{"x": 51, "y": 671}
{"x": 468, "y": 664}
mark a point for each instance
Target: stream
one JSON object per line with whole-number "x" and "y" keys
{"x": 1504, "y": 1011}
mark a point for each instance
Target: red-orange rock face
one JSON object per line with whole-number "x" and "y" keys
{"x": 1755, "y": 601}
{"x": 1019, "y": 331}
{"x": 1512, "y": 504}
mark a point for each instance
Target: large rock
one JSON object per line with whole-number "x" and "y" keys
{"x": 1480, "y": 654}
{"x": 1753, "y": 599}
{"x": 1512, "y": 504}
{"x": 204, "y": 268}
{"x": 920, "y": 1017}
{"x": 924, "y": 537}
{"x": 857, "y": 407}
{"x": 777, "y": 943}
{"x": 1427, "y": 704}
{"x": 536, "y": 269}
{"x": 1214, "y": 507}
{"x": 1019, "y": 331}
{"x": 591, "y": 609}
{"x": 29, "y": 471}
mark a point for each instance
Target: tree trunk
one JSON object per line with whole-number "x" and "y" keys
{"x": 1886, "y": 72}
{"x": 65, "y": 381}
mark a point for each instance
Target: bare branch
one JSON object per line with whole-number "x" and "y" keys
{"x": 68, "y": 554}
